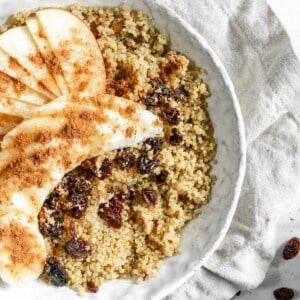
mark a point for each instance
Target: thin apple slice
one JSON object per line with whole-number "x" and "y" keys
{"x": 39, "y": 37}
{"x": 18, "y": 43}
{"x": 11, "y": 67}
{"x": 76, "y": 49}
{"x": 15, "y": 107}
{"x": 12, "y": 88}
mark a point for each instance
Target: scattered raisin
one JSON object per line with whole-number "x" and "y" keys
{"x": 78, "y": 248}
{"x": 180, "y": 94}
{"x": 161, "y": 94}
{"x": 176, "y": 137}
{"x": 112, "y": 212}
{"x": 292, "y": 248}
{"x": 51, "y": 225}
{"x": 238, "y": 293}
{"x": 77, "y": 185}
{"x": 172, "y": 116}
{"x": 55, "y": 271}
{"x": 154, "y": 144}
{"x": 149, "y": 196}
{"x": 125, "y": 159}
{"x": 52, "y": 200}
{"x": 162, "y": 176}
{"x": 284, "y": 294}
{"x": 151, "y": 101}
{"x": 146, "y": 165}
{"x": 76, "y": 205}
{"x": 91, "y": 168}
{"x": 106, "y": 168}
{"x": 92, "y": 287}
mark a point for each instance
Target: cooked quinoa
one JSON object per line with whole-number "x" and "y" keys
{"x": 119, "y": 218}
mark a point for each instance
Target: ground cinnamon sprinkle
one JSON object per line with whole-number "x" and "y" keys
{"x": 20, "y": 244}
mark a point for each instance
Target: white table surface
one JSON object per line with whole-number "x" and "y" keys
{"x": 284, "y": 272}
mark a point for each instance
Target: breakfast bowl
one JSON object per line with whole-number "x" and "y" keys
{"x": 202, "y": 235}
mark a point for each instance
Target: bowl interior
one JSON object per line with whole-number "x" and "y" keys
{"x": 202, "y": 235}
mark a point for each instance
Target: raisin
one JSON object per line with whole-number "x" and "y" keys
{"x": 176, "y": 137}
{"x": 284, "y": 294}
{"x": 78, "y": 248}
{"x": 180, "y": 94}
{"x": 51, "y": 225}
{"x": 238, "y": 293}
{"x": 154, "y": 144}
{"x": 76, "y": 205}
{"x": 112, "y": 213}
{"x": 125, "y": 159}
{"x": 172, "y": 116}
{"x": 106, "y": 168}
{"x": 92, "y": 287}
{"x": 151, "y": 101}
{"x": 292, "y": 248}
{"x": 149, "y": 196}
{"x": 146, "y": 165}
{"x": 77, "y": 185}
{"x": 55, "y": 271}
{"x": 162, "y": 176}
{"x": 52, "y": 200}
{"x": 91, "y": 168}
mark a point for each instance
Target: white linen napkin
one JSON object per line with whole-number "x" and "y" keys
{"x": 257, "y": 54}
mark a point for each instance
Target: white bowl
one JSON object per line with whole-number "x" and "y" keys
{"x": 203, "y": 235}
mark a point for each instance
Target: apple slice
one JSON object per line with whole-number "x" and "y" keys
{"x": 12, "y": 88}
{"x": 39, "y": 37}
{"x": 18, "y": 43}
{"x": 11, "y": 67}
{"x": 15, "y": 107}
{"x": 76, "y": 49}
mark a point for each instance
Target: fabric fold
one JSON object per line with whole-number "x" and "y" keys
{"x": 257, "y": 53}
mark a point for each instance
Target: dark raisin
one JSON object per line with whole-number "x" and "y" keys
{"x": 76, "y": 205}
{"x": 55, "y": 271}
{"x": 149, "y": 196}
{"x": 106, "y": 168}
{"x": 91, "y": 168}
{"x": 78, "y": 185}
{"x": 51, "y": 225}
{"x": 154, "y": 144}
{"x": 172, "y": 116}
{"x": 112, "y": 212}
{"x": 146, "y": 165}
{"x": 162, "y": 176}
{"x": 78, "y": 248}
{"x": 125, "y": 159}
{"x": 151, "y": 101}
{"x": 52, "y": 200}
{"x": 180, "y": 94}
{"x": 238, "y": 293}
{"x": 292, "y": 248}
{"x": 176, "y": 137}
{"x": 92, "y": 287}
{"x": 284, "y": 294}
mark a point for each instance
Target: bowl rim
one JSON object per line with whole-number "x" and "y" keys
{"x": 241, "y": 137}
{"x": 170, "y": 13}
